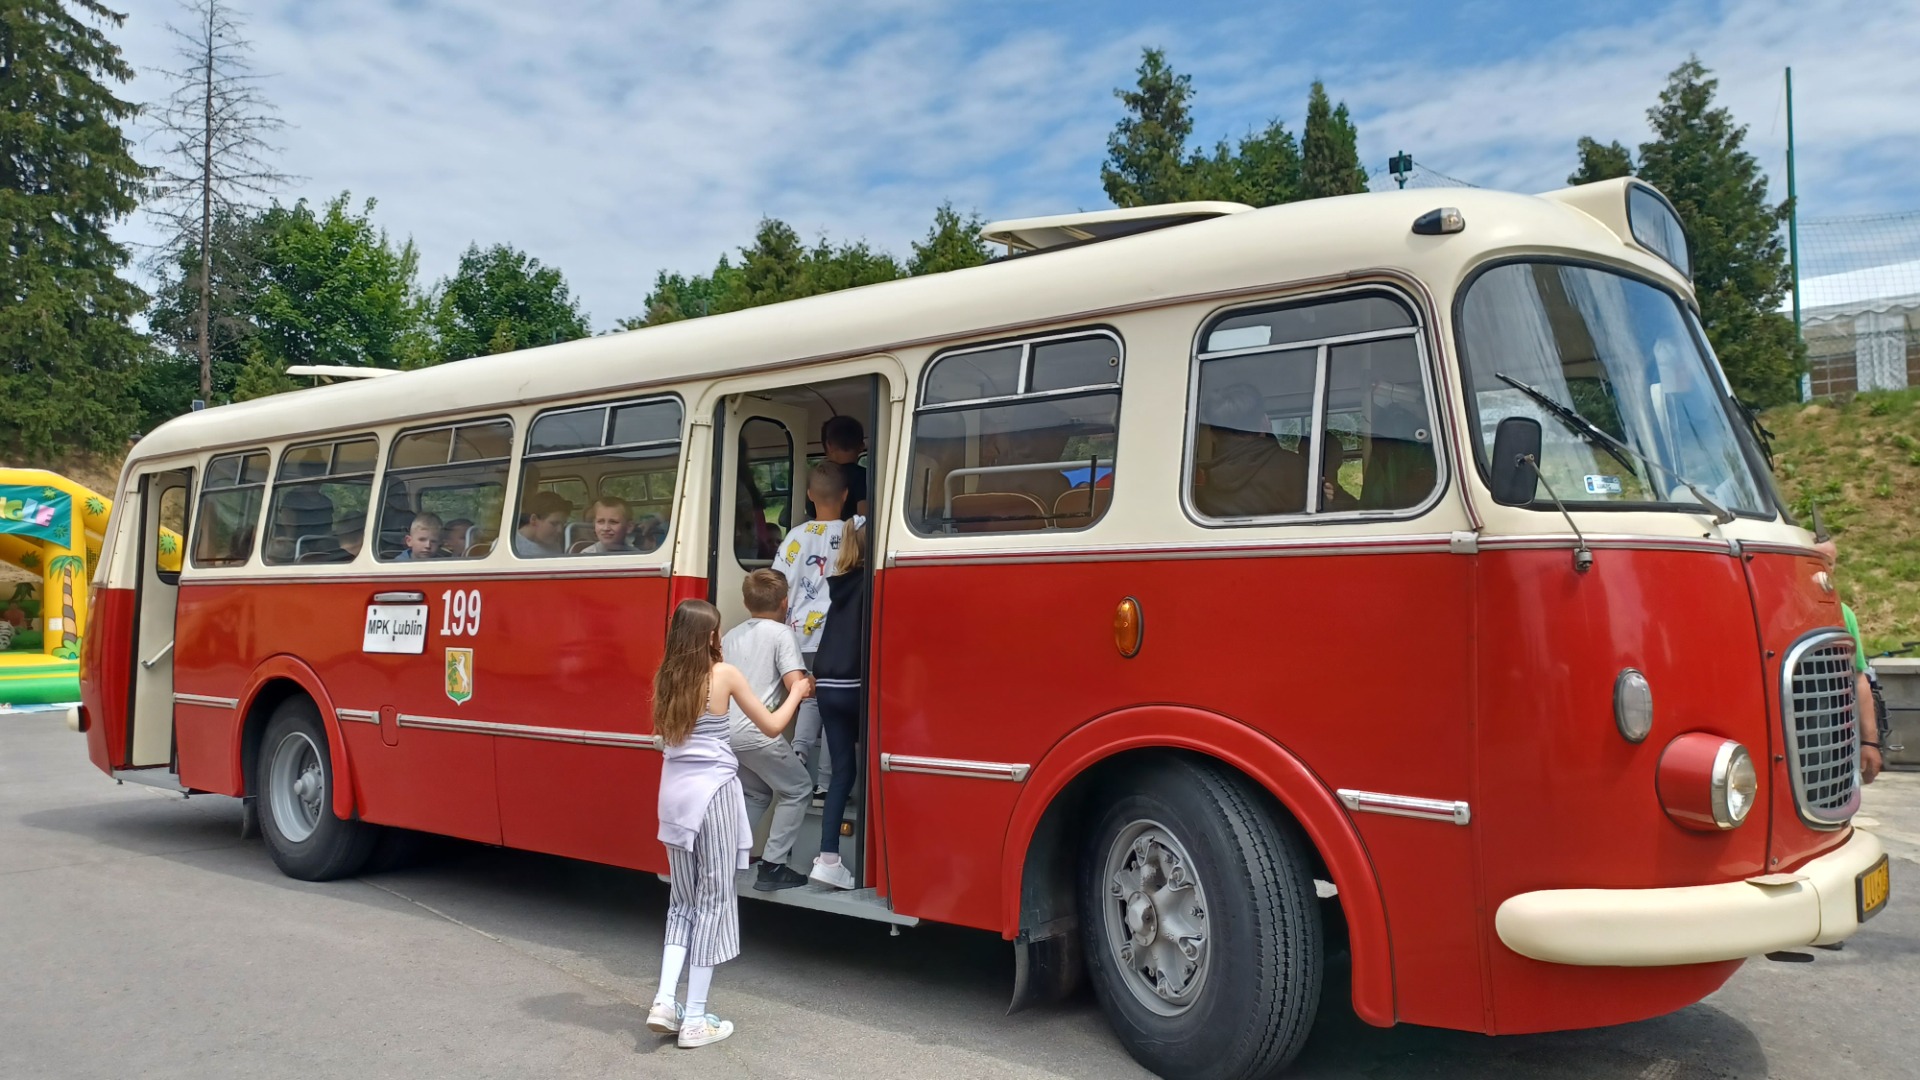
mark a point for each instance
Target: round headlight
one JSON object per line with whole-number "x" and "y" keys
{"x": 1633, "y": 705}
{"x": 1734, "y": 785}
{"x": 1706, "y": 782}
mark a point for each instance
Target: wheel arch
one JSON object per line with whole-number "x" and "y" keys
{"x": 274, "y": 681}
{"x": 1039, "y": 854}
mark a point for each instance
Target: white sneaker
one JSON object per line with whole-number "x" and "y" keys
{"x": 835, "y": 874}
{"x": 701, "y": 1030}
{"x": 665, "y": 1017}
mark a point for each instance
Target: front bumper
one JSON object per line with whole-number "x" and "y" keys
{"x": 1699, "y": 924}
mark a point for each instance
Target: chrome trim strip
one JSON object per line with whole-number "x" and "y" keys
{"x": 972, "y": 770}
{"x": 1376, "y": 545}
{"x": 1377, "y": 802}
{"x": 451, "y": 573}
{"x": 1769, "y": 547}
{"x": 1615, "y": 541}
{"x": 206, "y": 700}
{"x": 356, "y": 716}
{"x": 399, "y": 598}
{"x": 531, "y": 731}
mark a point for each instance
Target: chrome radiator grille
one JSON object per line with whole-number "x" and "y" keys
{"x": 1822, "y": 732}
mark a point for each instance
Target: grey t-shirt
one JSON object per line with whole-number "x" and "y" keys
{"x": 765, "y": 651}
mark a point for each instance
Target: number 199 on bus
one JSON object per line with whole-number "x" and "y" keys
{"x": 460, "y": 612}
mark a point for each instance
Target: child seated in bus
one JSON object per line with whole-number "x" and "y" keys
{"x": 422, "y": 540}
{"x": 612, "y": 525}
{"x": 765, "y": 651}
{"x": 453, "y": 538}
{"x": 703, "y": 813}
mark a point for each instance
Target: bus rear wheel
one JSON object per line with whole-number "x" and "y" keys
{"x": 1202, "y": 931}
{"x": 294, "y": 781}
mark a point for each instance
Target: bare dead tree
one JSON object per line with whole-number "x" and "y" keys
{"x": 215, "y": 128}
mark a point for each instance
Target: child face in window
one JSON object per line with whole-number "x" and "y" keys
{"x": 611, "y": 525}
{"x": 424, "y": 541}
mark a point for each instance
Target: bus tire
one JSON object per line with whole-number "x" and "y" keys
{"x": 1202, "y": 929}
{"x": 294, "y": 783}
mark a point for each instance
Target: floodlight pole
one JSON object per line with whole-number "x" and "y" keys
{"x": 1793, "y": 212}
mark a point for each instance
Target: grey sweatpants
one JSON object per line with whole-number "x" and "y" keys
{"x": 771, "y": 775}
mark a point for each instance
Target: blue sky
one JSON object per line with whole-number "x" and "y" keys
{"x": 615, "y": 138}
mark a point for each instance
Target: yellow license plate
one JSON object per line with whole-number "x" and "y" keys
{"x": 1870, "y": 889}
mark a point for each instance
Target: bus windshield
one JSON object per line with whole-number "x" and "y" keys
{"x": 1621, "y": 353}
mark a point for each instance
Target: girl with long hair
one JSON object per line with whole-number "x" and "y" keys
{"x": 703, "y": 813}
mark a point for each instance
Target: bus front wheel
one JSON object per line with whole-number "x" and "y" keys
{"x": 294, "y": 783}
{"x": 1202, "y": 931}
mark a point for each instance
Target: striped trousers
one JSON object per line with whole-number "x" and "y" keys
{"x": 703, "y": 909}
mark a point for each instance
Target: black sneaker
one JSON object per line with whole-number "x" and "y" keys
{"x": 774, "y": 876}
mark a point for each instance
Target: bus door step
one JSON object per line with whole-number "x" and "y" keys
{"x": 859, "y": 903}
{"x": 159, "y": 776}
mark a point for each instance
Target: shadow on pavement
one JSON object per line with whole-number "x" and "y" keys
{"x": 607, "y": 923}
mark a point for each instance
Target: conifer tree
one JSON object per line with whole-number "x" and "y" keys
{"x": 1601, "y": 162}
{"x": 67, "y": 174}
{"x": 953, "y": 243}
{"x": 1329, "y": 149}
{"x": 1740, "y": 271}
{"x": 1146, "y": 153}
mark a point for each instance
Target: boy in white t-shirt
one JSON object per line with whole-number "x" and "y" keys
{"x": 807, "y": 557}
{"x": 764, "y": 650}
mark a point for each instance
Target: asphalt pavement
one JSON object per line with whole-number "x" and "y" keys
{"x": 139, "y": 936}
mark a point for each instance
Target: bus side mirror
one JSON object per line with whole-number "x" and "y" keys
{"x": 1514, "y": 479}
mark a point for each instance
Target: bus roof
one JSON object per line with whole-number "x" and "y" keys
{"x": 1270, "y": 247}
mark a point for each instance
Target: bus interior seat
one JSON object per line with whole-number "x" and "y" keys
{"x": 579, "y": 535}
{"x": 998, "y": 511}
{"x": 579, "y": 546}
{"x": 1080, "y": 506}
{"x": 1400, "y": 469}
{"x": 479, "y": 550}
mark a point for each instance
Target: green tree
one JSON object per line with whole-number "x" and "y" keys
{"x": 235, "y": 257}
{"x": 1598, "y": 162}
{"x": 1329, "y": 149}
{"x": 500, "y": 299}
{"x": 333, "y": 289}
{"x": 67, "y": 566}
{"x": 953, "y": 243}
{"x": 1147, "y": 151}
{"x": 67, "y": 174}
{"x": 1262, "y": 170}
{"x": 1740, "y": 269}
{"x": 676, "y": 296}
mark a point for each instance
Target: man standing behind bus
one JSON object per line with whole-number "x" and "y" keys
{"x": 542, "y": 526}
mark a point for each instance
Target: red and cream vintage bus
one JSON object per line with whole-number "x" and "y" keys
{"x": 1364, "y": 578}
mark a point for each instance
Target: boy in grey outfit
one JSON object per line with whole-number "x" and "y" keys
{"x": 764, "y": 650}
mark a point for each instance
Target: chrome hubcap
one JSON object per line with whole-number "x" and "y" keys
{"x": 1156, "y": 918}
{"x": 296, "y": 786}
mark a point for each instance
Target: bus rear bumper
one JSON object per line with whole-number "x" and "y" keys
{"x": 1813, "y": 905}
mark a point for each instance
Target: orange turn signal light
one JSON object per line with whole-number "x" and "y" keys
{"x": 1129, "y": 628}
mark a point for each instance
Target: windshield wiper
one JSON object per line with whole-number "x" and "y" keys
{"x": 1593, "y": 433}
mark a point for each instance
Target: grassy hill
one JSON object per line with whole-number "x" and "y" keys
{"x": 1860, "y": 459}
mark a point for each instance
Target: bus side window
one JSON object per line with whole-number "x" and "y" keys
{"x": 1017, "y": 437}
{"x": 599, "y": 480}
{"x": 438, "y": 477}
{"x": 1262, "y": 378}
{"x": 229, "y": 511}
{"x": 318, "y": 512}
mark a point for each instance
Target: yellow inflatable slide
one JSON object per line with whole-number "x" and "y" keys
{"x": 52, "y": 528}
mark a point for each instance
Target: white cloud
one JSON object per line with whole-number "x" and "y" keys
{"x": 613, "y": 139}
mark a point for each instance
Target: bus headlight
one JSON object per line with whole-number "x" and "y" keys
{"x": 1632, "y": 705}
{"x": 1706, "y": 782}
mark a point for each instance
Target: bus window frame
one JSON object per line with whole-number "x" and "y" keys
{"x": 523, "y": 458}
{"x": 1470, "y": 399}
{"x": 198, "y": 489}
{"x": 377, "y": 507}
{"x": 1439, "y": 439}
{"x": 373, "y": 476}
{"x": 1028, "y": 342}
